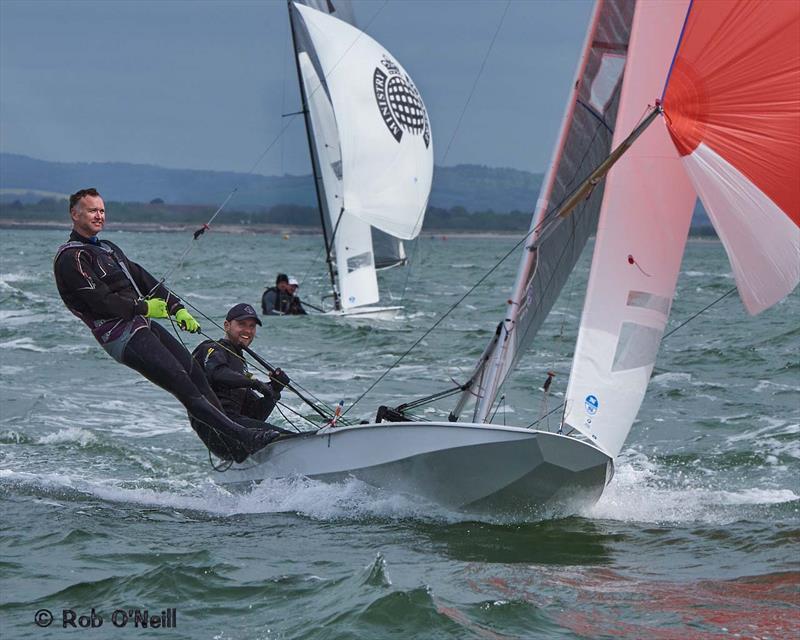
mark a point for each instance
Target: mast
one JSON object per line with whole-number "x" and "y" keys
{"x": 314, "y": 163}
{"x": 556, "y": 242}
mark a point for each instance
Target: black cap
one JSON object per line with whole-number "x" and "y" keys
{"x": 241, "y": 311}
{"x": 282, "y": 277}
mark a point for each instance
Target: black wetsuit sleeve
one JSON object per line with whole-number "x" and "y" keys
{"x": 269, "y": 302}
{"x": 77, "y": 275}
{"x": 220, "y": 373}
{"x": 148, "y": 285}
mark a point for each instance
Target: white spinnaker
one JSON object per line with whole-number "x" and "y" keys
{"x": 762, "y": 242}
{"x": 386, "y": 180}
{"x": 641, "y": 235}
{"x": 352, "y": 239}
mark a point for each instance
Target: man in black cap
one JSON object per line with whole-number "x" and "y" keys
{"x": 226, "y": 371}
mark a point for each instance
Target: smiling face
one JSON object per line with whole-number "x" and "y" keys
{"x": 88, "y": 216}
{"x": 240, "y": 332}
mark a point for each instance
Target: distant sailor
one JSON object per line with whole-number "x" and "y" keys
{"x": 118, "y": 300}
{"x": 226, "y": 370}
{"x": 281, "y": 300}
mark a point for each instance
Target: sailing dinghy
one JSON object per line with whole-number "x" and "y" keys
{"x": 731, "y": 132}
{"x": 371, "y": 150}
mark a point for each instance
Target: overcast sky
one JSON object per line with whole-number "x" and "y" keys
{"x": 202, "y": 84}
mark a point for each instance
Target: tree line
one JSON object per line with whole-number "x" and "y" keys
{"x": 455, "y": 218}
{"x": 157, "y": 211}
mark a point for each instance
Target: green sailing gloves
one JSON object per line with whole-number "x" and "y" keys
{"x": 156, "y": 308}
{"x": 186, "y": 321}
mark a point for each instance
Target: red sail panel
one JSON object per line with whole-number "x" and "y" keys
{"x": 735, "y": 86}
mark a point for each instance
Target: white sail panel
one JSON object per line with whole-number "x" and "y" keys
{"x": 644, "y": 223}
{"x": 352, "y": 237}
{"x": 389, "y": 251}
{"x": 384, "y": 132}
{"x": 762, "y": 242}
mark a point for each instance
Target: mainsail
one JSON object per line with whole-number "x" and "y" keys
{"x": 644, "y": 224}
{"x": 556, "y": 243}
{"x": 371, "y": 144}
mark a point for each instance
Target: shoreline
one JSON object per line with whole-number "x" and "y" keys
{"x": 269, "y": 229}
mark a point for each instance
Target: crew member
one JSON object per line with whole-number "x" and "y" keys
{"x": 281, "y": 300}
{"x": 295, "y": 306}
{"x": 118, "y": 300}
{"x": 226, "y": 370}
{"x": 275, "y": 300}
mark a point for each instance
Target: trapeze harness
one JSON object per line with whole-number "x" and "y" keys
{"x": 113, "y": 334}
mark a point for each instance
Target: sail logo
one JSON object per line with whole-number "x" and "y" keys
{"x": 399, "y": 102}
{"x": 592, "y": 404}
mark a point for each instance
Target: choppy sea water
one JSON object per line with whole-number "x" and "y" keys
{"x": 109, "y": 501}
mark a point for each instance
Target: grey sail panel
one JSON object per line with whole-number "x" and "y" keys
{"x": 555, "y": 244}
{"x": 389, "y": 251}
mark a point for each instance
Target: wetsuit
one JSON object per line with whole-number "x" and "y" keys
{"x": 101, "y": 286}
{"x": 275, "y": 302}
{"x": 226, "y": 371}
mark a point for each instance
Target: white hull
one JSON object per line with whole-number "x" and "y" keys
{"x": 470, "y": 467}
{"x": 371, "y": 313}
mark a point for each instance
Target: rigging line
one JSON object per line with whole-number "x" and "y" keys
{"x": 546, "y": 415}
{"x": 279, "y": 136}
{"x": 475, "y": 82}
{"x": 318, "y": 409}
{"x": 220, "y": 436}
{"x": 197, "y": 234}
{"x": 536, "y": 228}
{"x": 682, "y": 324}
{"x": 706, "y": 308}
{"x": 441, "y": 319}
{"x": 410, "y": 265}
{"x": 552, "y": 217}
{"x": 294, "y": 385}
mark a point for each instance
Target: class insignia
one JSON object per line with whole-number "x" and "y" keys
{"x": 399, "y": 102}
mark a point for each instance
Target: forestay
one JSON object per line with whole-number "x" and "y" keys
{"x": 384, "y": 133}
{"x": 556, "y": 243}
{"x": 641, "y": 235}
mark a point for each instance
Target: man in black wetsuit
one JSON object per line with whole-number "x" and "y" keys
{"x": 281, "y": 300}
{"x": 226, "y": 370}
{"x": 118, "y": 300}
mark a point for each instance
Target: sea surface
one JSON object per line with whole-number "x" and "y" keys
{"x": 109, "y": 502}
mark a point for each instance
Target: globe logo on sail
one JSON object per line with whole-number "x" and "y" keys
{"x": 591, "y": 403}
{"x": 399, "y": 102}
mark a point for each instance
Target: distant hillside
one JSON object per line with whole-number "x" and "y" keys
{"x": 475, "y": 188}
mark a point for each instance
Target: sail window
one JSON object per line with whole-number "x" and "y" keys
{"x": 645, "y": 300}
{"x": 605, "y": 82}
{"x": 637, "y": 346}
{"x": 359, "y": 261}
